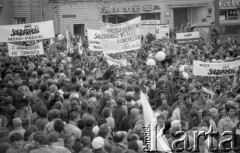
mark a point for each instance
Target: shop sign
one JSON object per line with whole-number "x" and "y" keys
{"x": 230, "y": 3}
{"x": 117, "y": 9}
{"x": 106, "y": 10}
{"x": 127, "y": 9}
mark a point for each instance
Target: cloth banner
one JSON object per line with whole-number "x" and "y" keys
{"x": 187, "y": 37}
{"x": 176, "y": 114}
{"x": 80, "y": 48}
{"x": 208, "y": 92}
{"x": 27, "y": 32}
{"x": 16, "y": 50}
{"x": 112, "y": 61}
{"x": 121, "y": 37}
{"x": 162, "y": 31}
{"x": 215, "y": 69}
{"x": 68, "y": 41}
{"x": 94, "y": 40}
{"x": 157, "y": 140}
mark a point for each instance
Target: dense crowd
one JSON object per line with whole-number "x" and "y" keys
{"x": 67, "y": 102}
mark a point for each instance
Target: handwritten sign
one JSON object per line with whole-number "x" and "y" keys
{"x": 94, "y": 40}
{"x": 16, "y": 50}
{"x": 121, "y": 37}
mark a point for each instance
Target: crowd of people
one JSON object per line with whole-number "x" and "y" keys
{"x": 68, "y": 102}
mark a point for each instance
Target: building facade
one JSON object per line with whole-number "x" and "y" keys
{"x": 230, "y": 16}
{"x": 79, "y": 15}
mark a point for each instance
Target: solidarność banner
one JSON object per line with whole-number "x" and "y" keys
{"x": 121, "y": 37}
{"x": 27, "y": 32}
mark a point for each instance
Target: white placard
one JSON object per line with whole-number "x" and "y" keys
{"x": 27, "y": 32}
{"x": 94, "y": 40}
{"x": 16, "y": 50}
{"x": 162, "y": 31}
{"x": 121, "y": 37}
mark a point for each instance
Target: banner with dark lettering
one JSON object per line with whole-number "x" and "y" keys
{"x": 27, "y": 32}
{"x": 121, "y": 37}
{"x": 94, "y": 40}
{"x": 187, "y": 38}
{"x": 16, "y": 50}
{"x": 215, "y": 69}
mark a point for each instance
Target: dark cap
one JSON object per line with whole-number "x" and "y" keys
{"x": 206, "y": 113}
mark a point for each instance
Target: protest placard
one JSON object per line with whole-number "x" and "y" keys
{"x": 16, "y": 50}
{"x": 27, "y": 32}
{"x": 162, "y": 31}
{"x": 94, "y": 40}
{"x": 121, "y": 37}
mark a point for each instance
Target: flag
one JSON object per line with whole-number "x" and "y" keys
{"x": 158, "y": 141}
{"x": 147, "y": 110}
{"x": 176, "y": 114}
{"x": 68, "y": 41}
{"x": 80, "y": 49}
{"x": 51, "y": 41}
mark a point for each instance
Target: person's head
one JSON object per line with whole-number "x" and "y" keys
{"x": 222, "y": 112}
{"x": 196, "y": 122}
{"x": 55, "y": 113}
{"x": 133, "y": 145}
{"x": 164, "y": 102}
{"x": 40, "y": 138}
{"x": 97, "y": 143}
{"x": 16, "y": 140}
{"x": 17, "y": 122}
{"x": 206, "y": 115}
{"x": 161, "y": 119}
{"x": 58, "y": 125}
{"x": 86, "y": 141}
{"x": 28, "y": 135}
{"x": 118, "y": 137}
{"x": 106, "y": 112}
{"x": 89, "y": 123}
{"x": 230, "y": 111}
{"x": 120, "y": 101}
{"x": 104, "y": 130}
{"x": 74, "y": 116}
{"x": 42, "y": 112}
{"x": 53, "y": 137}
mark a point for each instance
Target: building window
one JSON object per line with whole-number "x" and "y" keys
{"x": 231, "y": 14}
{"x": 78, "y": 29}
{"x": 120, "y": 18}
{"x": 19, "y": 20}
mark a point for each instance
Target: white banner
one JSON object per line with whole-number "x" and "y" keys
{"x": 146, "y": 29}
{"x": 187, "y": 37}
{"x": 162, "y": 31}
{"x": 215, "y": 69}
{"x": 112, "y": 61}
{"x": 16, "y": 50}
{"x": 94, "y": 40}
{"x": 121, "y": 37}
{"x": 27, "y": 32}
{"x": 151, "y": 22}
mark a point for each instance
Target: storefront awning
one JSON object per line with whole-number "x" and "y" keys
{"x": 184, "y": 5}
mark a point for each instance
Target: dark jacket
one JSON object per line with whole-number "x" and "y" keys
{"x": 118, "y": 114}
